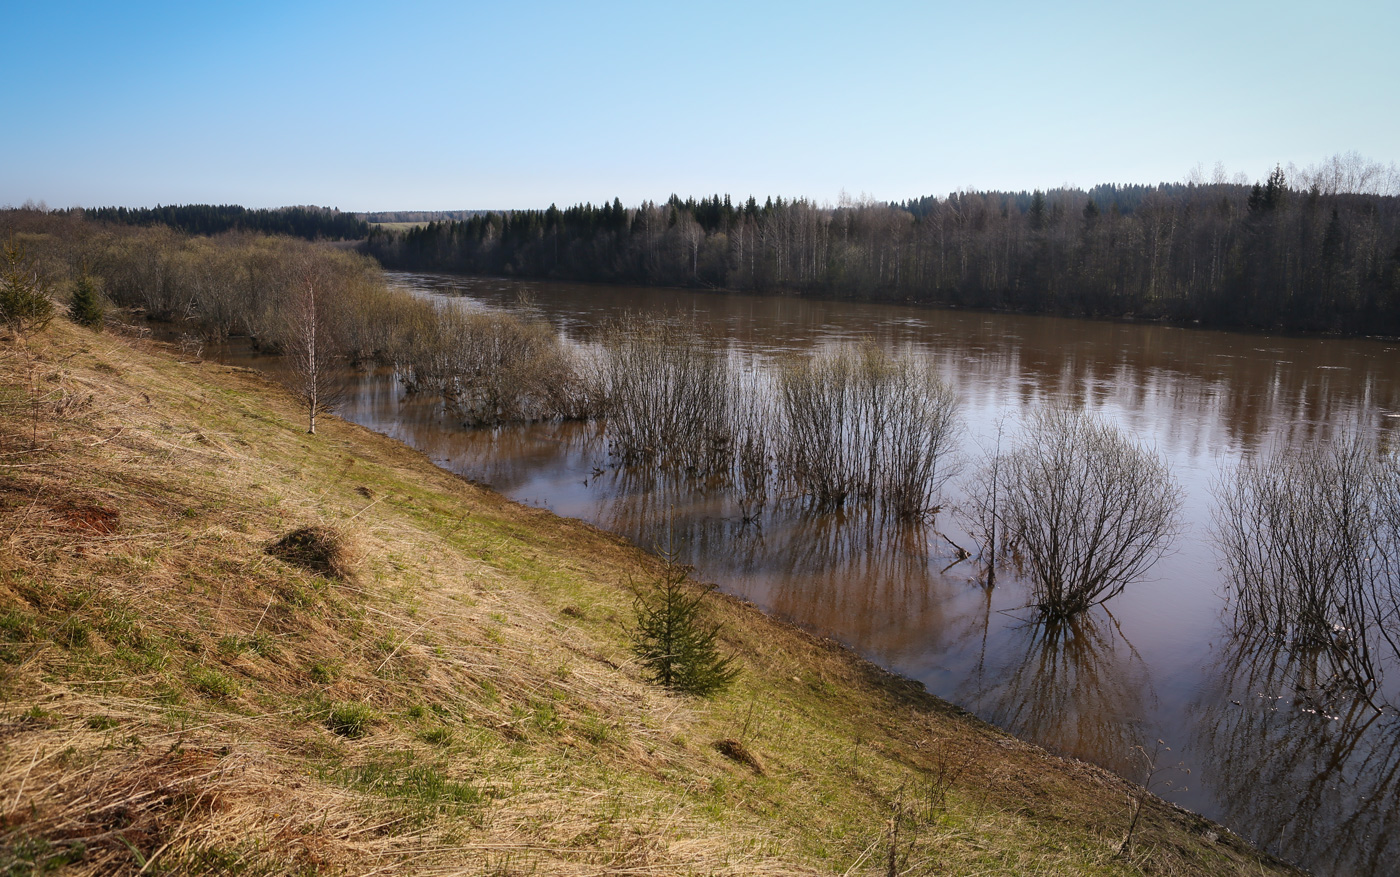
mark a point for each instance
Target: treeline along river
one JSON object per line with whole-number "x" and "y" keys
{"x": 1308, "y": 771}
{"x": 1312, "y": 253}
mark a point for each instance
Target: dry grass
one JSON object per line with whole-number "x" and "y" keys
{"x": 321, "y": 549}
{"x": 177, "y": 699}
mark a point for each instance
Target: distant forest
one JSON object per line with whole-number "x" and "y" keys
{"x": 1318, "y": 253}
{"x": 311, "y": 223}
{"x": 419, "y": 215}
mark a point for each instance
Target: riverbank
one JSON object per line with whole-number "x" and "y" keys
{"x": 447, "y": 686}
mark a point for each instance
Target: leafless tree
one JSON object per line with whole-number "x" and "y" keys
{"x": 1088, "y": 510}
{"x": 1308, "y": 536}
{"x": 310, "y": 341}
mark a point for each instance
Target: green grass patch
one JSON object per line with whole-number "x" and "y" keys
{"x": 351, "y": 720}
{"x": 24, "y": 856}
{"x": 212, "y": 682}
{"x": 402, "y": 776}
{"x": 439, "y": 736}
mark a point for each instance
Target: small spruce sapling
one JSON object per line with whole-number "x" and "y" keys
{"x": 673, "y": 639}
{"x": 86, "y": 308}
{"x": 24, "y": 302}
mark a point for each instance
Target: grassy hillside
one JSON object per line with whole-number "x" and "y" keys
{"x": 435, "y": 680}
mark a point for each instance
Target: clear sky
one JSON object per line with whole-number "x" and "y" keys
{"x": 513, "y": 103}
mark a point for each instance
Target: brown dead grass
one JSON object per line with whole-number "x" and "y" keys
{"x": 323, "y": 550}
{"x": 175, "y": 691}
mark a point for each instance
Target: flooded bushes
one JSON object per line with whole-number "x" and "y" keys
{"x": 852, "y": 425}
{"x": 670, "y": 394}
{"x": 1311, "y": 542}
{"x": 244, "y": 284}
{"x": 1086, "y": 509}
{"x": 491, "y": 368}
{"x": 860, "y": 424}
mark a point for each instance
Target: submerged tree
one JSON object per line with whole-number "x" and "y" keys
{"x": 1308, "y": 536}
{"x": 1087, "y": 509}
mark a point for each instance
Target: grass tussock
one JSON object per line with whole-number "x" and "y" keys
{"x": 174, "y": 699}
{"x": 323, "y": 550}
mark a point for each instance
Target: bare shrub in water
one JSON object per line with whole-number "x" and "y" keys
{"x": 753, "y": 438}
{"x": 824, "y": 441}
{"x": 919, "y": 414}
{"x": 983, "y": 510}
{"x": 490, "y": 367}
{"x": 858, "y": 424}
{"x": 1386, "y": 601}
{"x": 1088, "y": 509}
{"x": 1311, "y": 542}
{"x": 669, "y": 395}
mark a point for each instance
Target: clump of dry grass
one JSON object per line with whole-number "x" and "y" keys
{"x": 735, "y": 750}
{"x": 322, "y": 549}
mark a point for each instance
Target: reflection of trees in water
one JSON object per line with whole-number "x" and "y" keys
{"x": 1078, "y": 687}
{"x": 871, "y": 581}
{"x": 864, "y": 578}
{"x": 650, "y": 504}
{"x": 1310, "y": 775}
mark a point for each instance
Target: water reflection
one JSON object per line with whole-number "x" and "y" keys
{"x": 1078, "y": 688}
{"x": 869, "y": 582}
{"x": 856, "y": 575}
{"x": 1310, "y": 774}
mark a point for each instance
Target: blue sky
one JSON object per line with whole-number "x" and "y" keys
{"x": 377, "y": 106}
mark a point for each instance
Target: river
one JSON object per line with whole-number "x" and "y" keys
{"x": 1309, "y": 778}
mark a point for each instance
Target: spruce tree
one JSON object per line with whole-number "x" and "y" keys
{"x": 24, "y": 302}
{"x": 672, "y": 638}
{"x": 86, "y": 308}
{"x": 1037, "y": 211}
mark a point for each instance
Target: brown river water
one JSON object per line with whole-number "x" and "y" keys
{"x": 1315, "y": 780}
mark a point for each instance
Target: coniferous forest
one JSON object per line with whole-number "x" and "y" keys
{"x": 1321, "y": 253}
{"x": 311, "y": 223}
